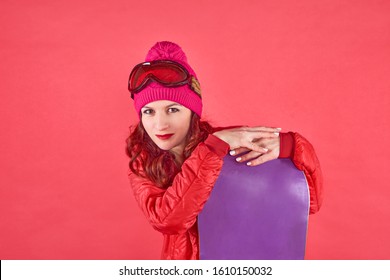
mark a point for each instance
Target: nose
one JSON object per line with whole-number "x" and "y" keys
{"x": 161, "y": 122}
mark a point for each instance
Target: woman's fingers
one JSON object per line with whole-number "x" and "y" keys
{"x": 245, "y": 137}
{"x": 255, "y": 147}
{"x": 248, "y": 156}
{"x": 254, "y": 141}
{"x": 238, "y": 151}
{"x": 261, "y": 159}
{"x": 248, "y": 139}
{"x": 263, "y": 128}
{"x": 266, "y": 149}
{"x": 255, "y": 158}
{"x": 263, "y": 134}
{"x": 261, "y": 145}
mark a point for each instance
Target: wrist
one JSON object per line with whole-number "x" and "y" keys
{"x": 220, "y": 135}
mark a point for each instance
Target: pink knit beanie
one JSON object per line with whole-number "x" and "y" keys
{"x": 155, "y": 91}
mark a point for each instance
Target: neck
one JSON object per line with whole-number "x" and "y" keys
{"x": 179, "y": 158}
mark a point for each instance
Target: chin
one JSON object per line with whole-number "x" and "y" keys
{"x": 164, "y": 147}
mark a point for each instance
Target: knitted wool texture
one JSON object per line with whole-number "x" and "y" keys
{"x": 154, "y": 91}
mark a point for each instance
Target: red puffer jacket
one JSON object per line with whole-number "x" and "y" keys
{"x": 173, "y": 211}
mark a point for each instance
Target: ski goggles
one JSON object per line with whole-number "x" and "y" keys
{"x": 165, "y": 72}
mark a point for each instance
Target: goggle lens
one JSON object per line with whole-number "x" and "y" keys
{"x": 167, "y": 73}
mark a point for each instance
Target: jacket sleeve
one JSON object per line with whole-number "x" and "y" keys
{"x": 174, "y": 210}
{"x": 301, "y": 152}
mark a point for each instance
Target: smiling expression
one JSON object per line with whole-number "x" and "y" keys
{"x": 167, "y": 124}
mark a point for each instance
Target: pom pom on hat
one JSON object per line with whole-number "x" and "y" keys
{"x": 154, "y": 91}
{"x": 166, "y": 50}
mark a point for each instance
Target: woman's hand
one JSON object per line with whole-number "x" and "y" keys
{"x": 243, "y": 139}
{"x": 253, "y": 158}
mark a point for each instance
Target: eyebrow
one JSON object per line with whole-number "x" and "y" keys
{"x": 173, "y": 104}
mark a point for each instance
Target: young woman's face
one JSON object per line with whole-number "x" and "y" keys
{"x": 167, "y": 124}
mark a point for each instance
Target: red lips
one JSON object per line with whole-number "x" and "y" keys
{"x": 165, "y": 136}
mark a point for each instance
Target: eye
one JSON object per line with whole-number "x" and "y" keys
{"x": 147, "y": 111}
{"x": 173, "y": 110}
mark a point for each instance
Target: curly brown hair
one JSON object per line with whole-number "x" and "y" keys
{"x": 159, "y": 166}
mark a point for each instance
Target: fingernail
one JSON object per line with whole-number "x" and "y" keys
{"x": 238, "y": 159}
{"x": 276, "y": 133}
{"x": 248, "y": 163}
{"x": 279, "y": 128}
{"x": 232, "y": 153}
{"x": 265, "y": 150}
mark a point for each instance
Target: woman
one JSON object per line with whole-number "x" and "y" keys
{"x": 175, "y": 158}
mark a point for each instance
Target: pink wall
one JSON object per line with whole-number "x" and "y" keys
{"x": 321, "y": 68}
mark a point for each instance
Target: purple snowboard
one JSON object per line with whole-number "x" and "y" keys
{"x": 256, "y": 213}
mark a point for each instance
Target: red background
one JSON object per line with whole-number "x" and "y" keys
{"x": 321, "y": 68}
